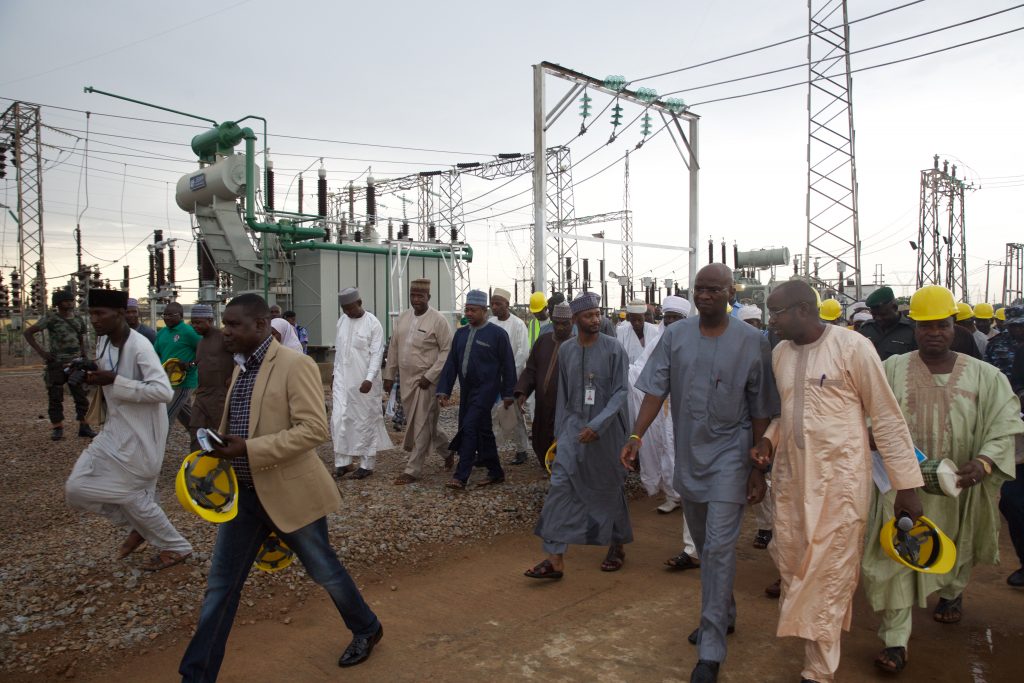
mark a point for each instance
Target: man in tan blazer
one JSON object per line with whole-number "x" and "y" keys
{"x": 273, "y": 421}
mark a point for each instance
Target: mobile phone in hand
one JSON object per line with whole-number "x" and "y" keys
{"x": 209, "y": 439}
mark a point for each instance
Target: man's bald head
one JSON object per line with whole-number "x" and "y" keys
{"x": 718, "y": 273}
{"x": 174, "y": 308}
{"x": 793, "y": 312}
{"x": 792, "y": 293}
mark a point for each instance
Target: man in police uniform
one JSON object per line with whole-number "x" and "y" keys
{"x": 891, "y": 332}
{"x": 67, "y": 342}
{"x": 1003, "y": 348}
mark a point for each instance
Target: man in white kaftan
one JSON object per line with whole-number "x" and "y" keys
{"x": 519, "y": 338}
{"x": 637, "y": 334}
{"x": 357, "y": 421}
{"x": 116, "y": 475}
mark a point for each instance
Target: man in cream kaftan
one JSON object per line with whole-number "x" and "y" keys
{"x": 821, "y": 475}
{"x": 357, "y": 421}
{"x": 419, "y": 347}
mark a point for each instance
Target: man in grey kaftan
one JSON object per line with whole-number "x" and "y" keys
{"x": 586, "y": 503}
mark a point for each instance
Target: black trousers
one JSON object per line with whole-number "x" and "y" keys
{"x": 55, "y": 397}
{"x": 1011, "y": 504}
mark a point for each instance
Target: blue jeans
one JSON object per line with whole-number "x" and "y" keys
{"x": 238, "y": 541}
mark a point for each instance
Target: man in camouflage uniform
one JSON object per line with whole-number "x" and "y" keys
{"x": 66, "y": 333}
{"x": 1004, "y": 346}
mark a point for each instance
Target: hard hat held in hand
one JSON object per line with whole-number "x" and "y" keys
{"x": 175, "y": 370}
{"x": 830, "y": 309}
{"x": 920, "y": 545}
{"x": 274, "y": 555}
{"x": 549, "y": 457}
{"x": 537, "y": 302}
{"x": 933, "y": 302}
{"x": 208, "y": 487}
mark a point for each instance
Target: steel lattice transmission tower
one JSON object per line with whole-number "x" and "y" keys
{"x": 627, "y": 230}
{"x": 20, "y": 127}
{"x": 833, "y": 230}
{"x": 561, "y": 213}
{"x": 1013, "y": 274}
{"x": 941, "y": 228}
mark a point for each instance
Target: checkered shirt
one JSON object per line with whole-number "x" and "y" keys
{"x": 238, "y": 407}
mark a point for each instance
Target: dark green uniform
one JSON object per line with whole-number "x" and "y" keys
{"x": 65, "y": 343}
{"x": 891, "y": 342}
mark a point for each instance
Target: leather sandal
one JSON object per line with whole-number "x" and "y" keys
{"x": 892, "y": 659}
{"x": 543, "y": 570}
{"x": 134, "y": 542}
{"x": 164, "y": 560}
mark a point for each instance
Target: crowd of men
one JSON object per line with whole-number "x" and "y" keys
{"x": 821, "y": 426}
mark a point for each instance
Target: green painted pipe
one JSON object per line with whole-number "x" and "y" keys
{"x": 464, "y": 251}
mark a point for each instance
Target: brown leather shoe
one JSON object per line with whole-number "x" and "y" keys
{"x": 404, "y": 479}
{"x": 134, "y": 542}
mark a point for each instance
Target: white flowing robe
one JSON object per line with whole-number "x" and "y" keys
{"x": 627, "y": 337}
{"x": 116, "y": 474}
{"x": 657, "y": 454}
{"x": 357, "y": 421}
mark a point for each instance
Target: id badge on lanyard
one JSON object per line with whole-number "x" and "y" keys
{"x": 589, "y": 392}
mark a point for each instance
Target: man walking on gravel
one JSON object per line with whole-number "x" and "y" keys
{"x": 275, "y": 420}
{"x": 116, "y": 475}
{"x": 481, "y": 360}
{"x": 132, "y": 317}
{"x": 67, "y": 341}
{"x": 417, "y": 352}
{"x": 357, "y": 420}
{"x": 178, "y": 340}
{"x": 215, "y": 365}
{"x": 586, "y": 504}
{"x": 519, "y": 338}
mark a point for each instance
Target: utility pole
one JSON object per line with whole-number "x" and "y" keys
{"x": 988, "y": 272}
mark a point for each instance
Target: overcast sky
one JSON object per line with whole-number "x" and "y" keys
{"x": 456, "y": 77}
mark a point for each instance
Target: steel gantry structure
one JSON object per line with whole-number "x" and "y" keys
{"x": 560, "y": 240}
{"x": 1013, "y": 274}
{"x": 20, "y": 137}
{"x": 941, "y": 229}
{"x": 833, "y": 228}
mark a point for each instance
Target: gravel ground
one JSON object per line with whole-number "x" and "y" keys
{"x": 69, "y": 604}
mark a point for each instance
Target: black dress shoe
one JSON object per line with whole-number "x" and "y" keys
{"x": 692, "y": 638}
{"x": 85, "y": 431}
{"x": 57, "y": 434}
{"x": 358, "y": 651}
{"x": 1016, "y": 579}
{"x": 705, "y": 672}
{"x": 520, "y": 458}
{"x": 340, "y": 472}
{"x": 361, "y": 473}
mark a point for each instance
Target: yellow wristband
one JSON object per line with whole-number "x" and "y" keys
{"x": 984, "y": 463}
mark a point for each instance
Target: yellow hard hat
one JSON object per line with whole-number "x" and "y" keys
{"x": 175, "y": 370}
{"x": 549, "y": 457}
{"x": 537, "y": 302}
{"x": 983, "y": 311}
{"x": 932, "y": 302}
{"x": 622, "y": 315}
{"x": 208, "y": 487}
{"x": 274, "y": 555}
{"x": 1000, "y": 314}
{"x": 963, "y": 311}
{"x": 921, "y": 547}
{"x": 830, "y": 310}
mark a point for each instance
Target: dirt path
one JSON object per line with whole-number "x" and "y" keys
{"x": 473, "y": 617}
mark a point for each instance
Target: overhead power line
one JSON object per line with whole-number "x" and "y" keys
{"x": 770, "y": 45}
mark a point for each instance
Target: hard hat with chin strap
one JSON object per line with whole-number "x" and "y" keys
{"x": 208, "y": 487}
{"x": 274, "y": 555}
{"x": 920, "y": 545}
{"x": 932, "y": 302}
{"x": 176, "y": 371}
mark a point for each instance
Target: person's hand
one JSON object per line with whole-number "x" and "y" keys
{"x": 506, "y": 402}
{"x": 521, "y": 401}
{"x": 871, "y": 440}
{"x": 762, "y": 454}
{"x": 970, "y": 474}
{"x": 443, "y": 400}
{"x": 388, "y": 385}
{"x": 234, "y": 447}
{"x": 100, "y": 378}
{"x": 756, "y": 487}
{"x": 588, "y": 435}
{"x": 907, "y": 502}
{"x": 48, "y": 357}
{"x": 423, "y": 383}
{"x": 365, "y": 387}
{"x": 629, "y": 453}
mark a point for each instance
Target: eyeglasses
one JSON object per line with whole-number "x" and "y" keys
{"x": 708, "y": 290}
{"x": 774, "y": 313}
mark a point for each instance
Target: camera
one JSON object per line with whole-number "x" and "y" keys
{"x": 77, "y": 369}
